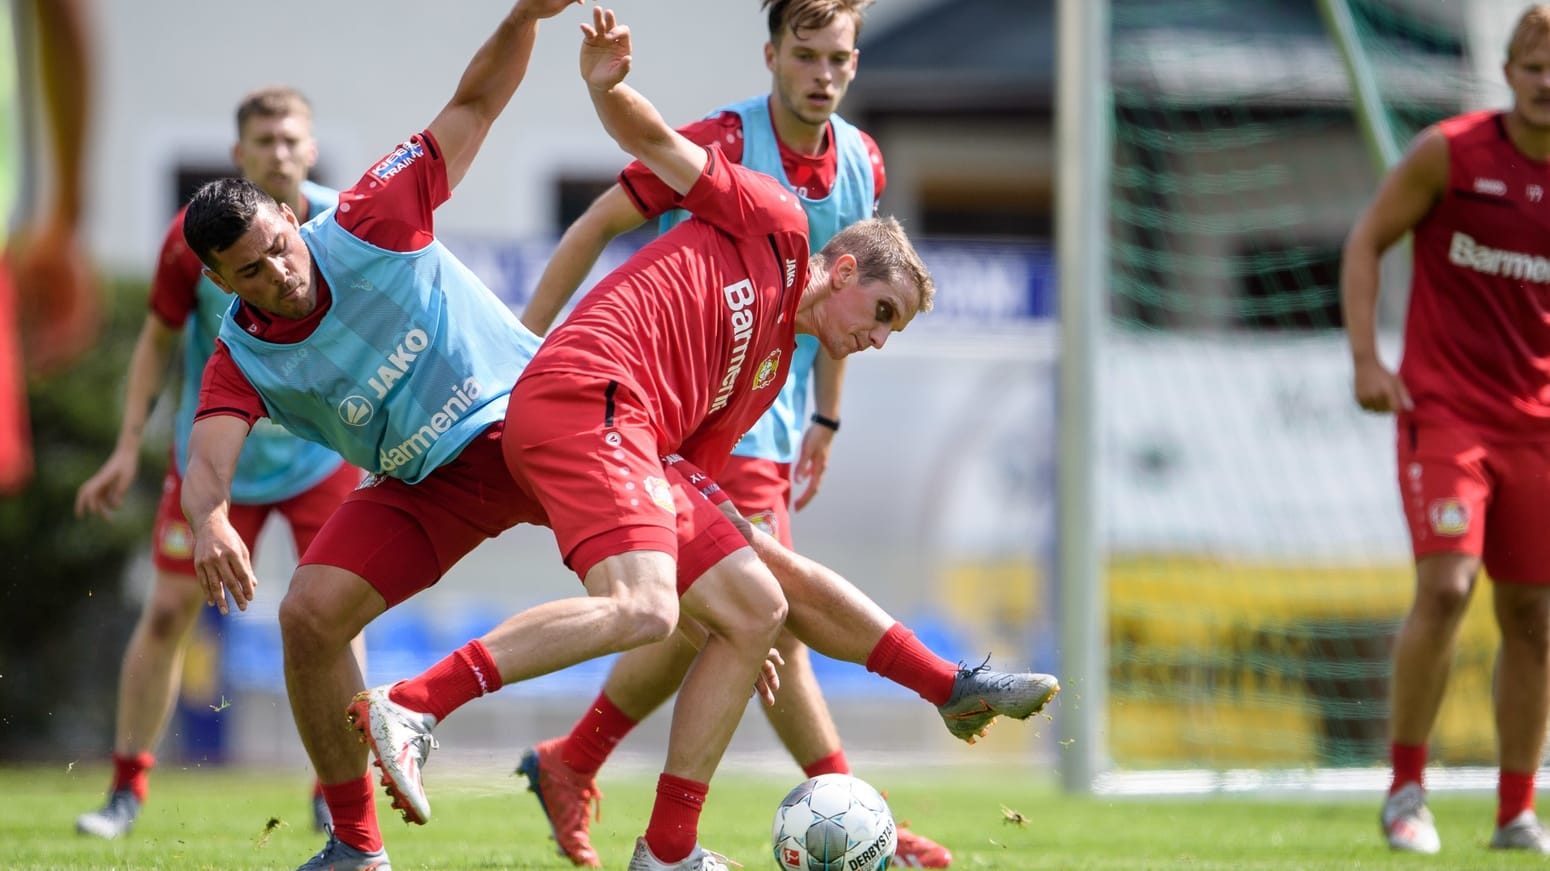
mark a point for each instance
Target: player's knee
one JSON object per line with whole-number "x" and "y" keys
{"x": 646, "y": 616}
{"x": 169, "y": 616}
{"x": 754, "y": 612}
{"x": 1442, "y": 600}
{"x": 306, "y": 625}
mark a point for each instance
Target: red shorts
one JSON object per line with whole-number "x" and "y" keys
{"x": 587, "y": 450}
{"x": 1464, "y": 493}
{"x": 403, "y": 537}
{"x": 172, "y": 541}
{"x": 761, "y": 490}
{"x": 15, "y": 432}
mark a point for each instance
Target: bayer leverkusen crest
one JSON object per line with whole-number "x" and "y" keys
{"x": 765, "y": 376}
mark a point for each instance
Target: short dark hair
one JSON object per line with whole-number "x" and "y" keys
{"x": 799, "y": 15}
{"x": 272, "y": 102}
{"x": 220, "y": 212}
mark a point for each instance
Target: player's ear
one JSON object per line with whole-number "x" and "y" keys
{"x": 769, "y": 56}
{"x": 217, "y": 280}
{"x": 289, "y": 215}
{"x": 843, "y": 273}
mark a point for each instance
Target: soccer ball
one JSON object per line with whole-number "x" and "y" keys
{"x": 834, "y": 822}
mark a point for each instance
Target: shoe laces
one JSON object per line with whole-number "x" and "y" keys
{"x": 585, "y": 787}
{"x": 965, "y": 671}
{"x": 420, "y": 736}
{"x": 1407, "y": 803}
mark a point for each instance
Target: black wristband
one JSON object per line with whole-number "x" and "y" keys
{"x": 829, "y": 422}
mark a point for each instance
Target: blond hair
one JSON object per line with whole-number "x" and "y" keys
{"x": 1532, "y": 29}
{"x": 797, "y": 16}
{"x": 272, "y": 102}
{"x": 883, "y": 253}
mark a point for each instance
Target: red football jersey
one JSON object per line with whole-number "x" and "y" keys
{"x": 1477, "y": 336}
{"x": 700, "y": 323}
{"x": 812, "y": 175}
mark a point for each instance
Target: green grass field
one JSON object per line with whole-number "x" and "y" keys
{"x": 217, "y": 819}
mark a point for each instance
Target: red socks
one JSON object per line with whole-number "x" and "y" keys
{"x": 466, "y": 674}
{"x": 595, "y": 736}
{"x": 354, "y": 812}
{"x": 133, "y": 773}
{"x": 834, "y": 763}
{"x": 675, "y": 818}
{"x": 1409, "y": 762}
{"x": 901, "y": 658}
{"x": 1514, "y": 795}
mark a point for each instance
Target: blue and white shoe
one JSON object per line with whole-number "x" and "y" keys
{"x": 336, "y": 855}
{"x": 115, "y": 818}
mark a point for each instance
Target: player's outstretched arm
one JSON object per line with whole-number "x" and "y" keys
{"x": 488, "y": 82}
{"x": 103, "y": 492}
{"x": 1404, "y": 198}
{"x": 221, "y": 560}
{"x": 610, "y": 215}
{"x": 627, "y": 116}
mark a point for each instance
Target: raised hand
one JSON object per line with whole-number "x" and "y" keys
{"x": 545, "y": 8}
{"x": 605, "y": 50}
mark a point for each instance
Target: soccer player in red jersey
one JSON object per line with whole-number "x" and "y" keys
{"x": 665, "y": 364}
{"x": 812, "y": 57}
{"x": 48, "y": 299}
{"x": 1473, "y": 411}
{"x": 280, "y": 473}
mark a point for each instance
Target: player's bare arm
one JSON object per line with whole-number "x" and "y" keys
{"x": 1404, "y": 198}
{"x": 488, "y": 82}
{"x": 627, "y": 116}
{"x": 104, "y": 491}
{"x": 813, "y": 461}
{"x": 221, "y": 560}
{"x": 610, "y": 215}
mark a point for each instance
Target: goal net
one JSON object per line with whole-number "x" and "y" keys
{"x": 1255, "y": 552}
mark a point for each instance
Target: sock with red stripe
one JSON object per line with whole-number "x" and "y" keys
{"x": 900, "y": 657}
{"x": 595, "y": 736}
{"x": 466, "y": 674}
{"x": 1409, "y": 762}
{"x": 354, "y": 812}
{"x": 675, "y": 818}
{"x": 1514, "y": 795}
{"x": 133, "y": 773}
{"x": 834, "y": 763}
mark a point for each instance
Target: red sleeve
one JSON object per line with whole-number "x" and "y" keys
{"x": 392, "y": 204}
{"x": 879, "y": 174}
{"x": 175, "y": 286}
{"x": 742, "y": 202}
{"x": 650, "y": 196}
{"x": 225, "y": 390}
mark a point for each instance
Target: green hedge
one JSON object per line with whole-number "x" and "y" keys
{"x": 63, "y": 618}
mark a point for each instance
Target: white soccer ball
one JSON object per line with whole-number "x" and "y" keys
{"x": 834, "y": 822}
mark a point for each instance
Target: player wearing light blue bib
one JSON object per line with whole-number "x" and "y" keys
{"x": 384, "y": 378}
{"x": 275, "y": 473}
{"x": 274, "y": 464}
